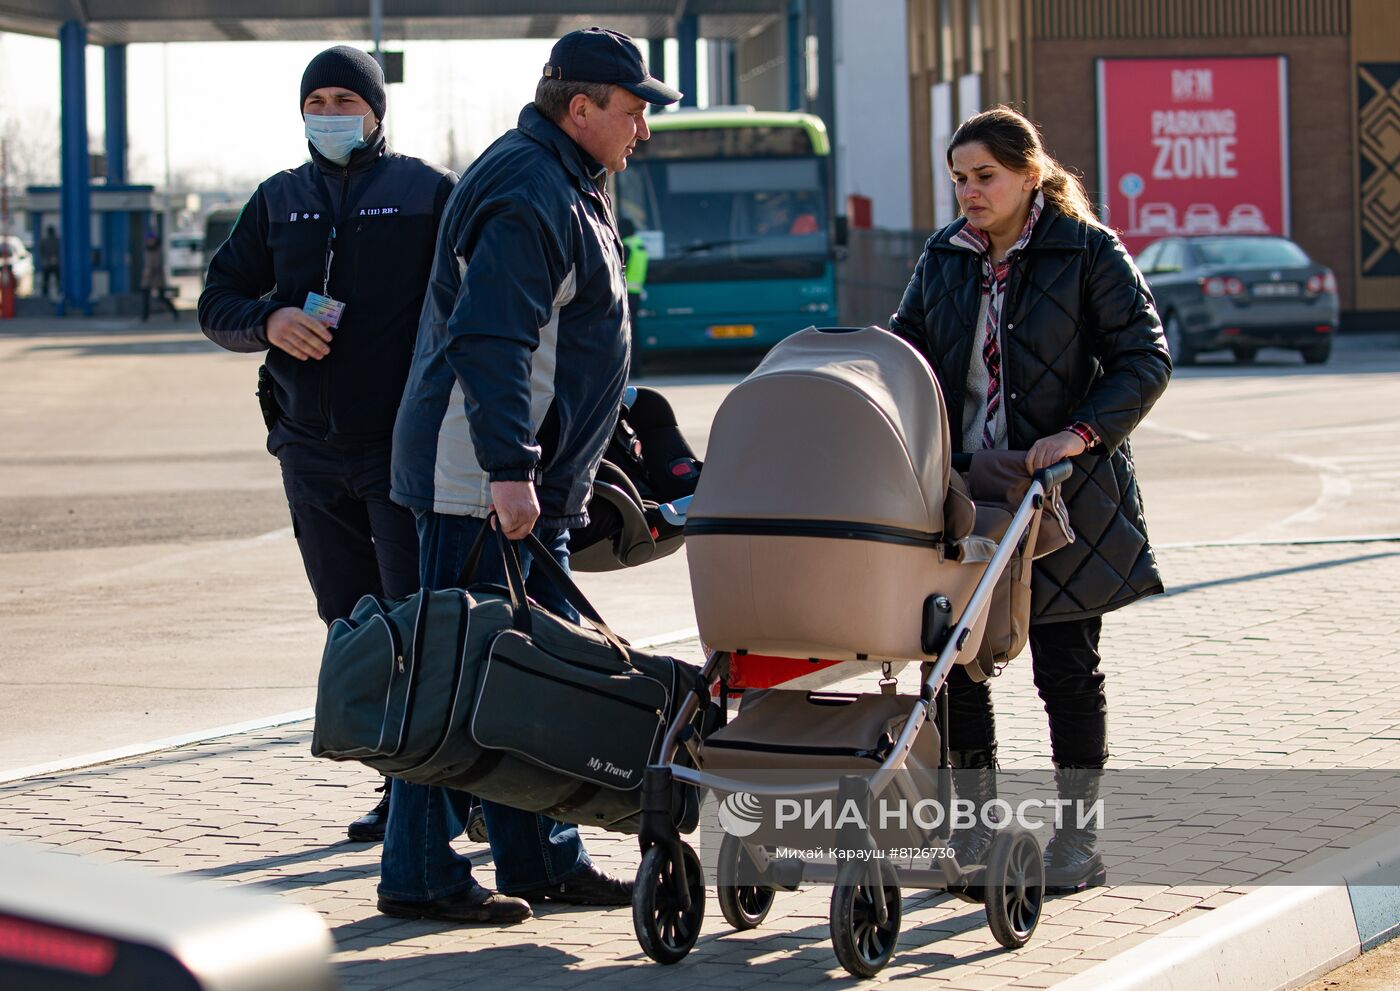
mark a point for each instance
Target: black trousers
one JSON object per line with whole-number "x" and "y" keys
{"x": 354, "y": 541}
{"x": 1065, "y": 667}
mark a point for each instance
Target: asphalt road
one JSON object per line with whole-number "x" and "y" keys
{"x": 149, "y": 585}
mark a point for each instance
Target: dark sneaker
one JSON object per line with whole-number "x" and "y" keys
{"x": 480, "y": 904}
{"x": 369, "y": 828}
{"x": 589, "y": 886}
{"x": 476, "y": 826}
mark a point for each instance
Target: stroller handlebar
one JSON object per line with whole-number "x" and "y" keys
{"x": 1055, "y": 474}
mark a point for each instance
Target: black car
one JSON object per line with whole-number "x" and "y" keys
{"x": 1240, "y": 293}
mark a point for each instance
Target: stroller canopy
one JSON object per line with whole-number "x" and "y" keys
{"x": 841, "y": 426}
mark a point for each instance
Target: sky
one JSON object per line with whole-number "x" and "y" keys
{"x": 225, "y": 115}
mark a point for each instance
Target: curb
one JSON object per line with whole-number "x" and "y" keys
{"x": 1272, "y": 938}
{"x": 204, "y": 736}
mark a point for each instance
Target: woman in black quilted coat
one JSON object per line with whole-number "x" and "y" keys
{"x": 1044, "y": 338}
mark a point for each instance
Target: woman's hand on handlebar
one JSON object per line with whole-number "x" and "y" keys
{"x": 1049, "y": 450}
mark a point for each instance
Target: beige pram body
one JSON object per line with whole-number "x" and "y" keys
{"x": 830, "y": 514}
{"x": 829, "y": 525}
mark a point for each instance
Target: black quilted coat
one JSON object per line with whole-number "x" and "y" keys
{"x": 1081, "y": 341}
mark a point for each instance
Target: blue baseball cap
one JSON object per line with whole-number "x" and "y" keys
{"x": 597, "y": 55}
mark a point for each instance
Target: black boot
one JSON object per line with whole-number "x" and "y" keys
{"x": 1072, "y": 860}
{"x": 975, "y": 781}
{"x": 369, "y": 828}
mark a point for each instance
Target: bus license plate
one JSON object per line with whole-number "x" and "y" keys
{"x": 729, "y": 332}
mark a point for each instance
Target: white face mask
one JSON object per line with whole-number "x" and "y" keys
{"x": 336, "y": 137}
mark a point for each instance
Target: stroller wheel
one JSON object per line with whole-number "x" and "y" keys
{"x": 1015, "y": 887}
{"x": 862, "y": 943}
{"x": 665, "y": 930}
{"x": 745, "y": 906}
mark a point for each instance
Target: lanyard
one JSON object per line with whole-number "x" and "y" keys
{"x": 341, "y": 218}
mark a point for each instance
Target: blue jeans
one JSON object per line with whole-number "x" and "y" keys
{"x": 530, "y": 850}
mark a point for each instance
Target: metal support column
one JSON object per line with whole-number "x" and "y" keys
{"x": 75, "y": 200}
{"x": 797, "y": 54}
{"x": 721, "y": 84}
{"x": 656, "y": 59}
{"x": 688, "y": 42}
{"x": 116, "y": 225}
{"x": 731, "y": 70}
{"x": 376, "y": 29}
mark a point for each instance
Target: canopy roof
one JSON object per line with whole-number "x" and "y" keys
{"x": 845, "y": 427}
{"x": 130, "y": 21}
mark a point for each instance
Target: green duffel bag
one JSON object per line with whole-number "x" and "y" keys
{"x": 486, "y": 691}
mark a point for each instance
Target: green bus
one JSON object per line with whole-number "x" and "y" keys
{"x": 734, "y": 210}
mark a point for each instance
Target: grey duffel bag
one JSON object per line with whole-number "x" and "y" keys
{"x": 488, "y": 692}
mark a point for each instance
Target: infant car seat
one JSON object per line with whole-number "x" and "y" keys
{"x": 647, "y": 466}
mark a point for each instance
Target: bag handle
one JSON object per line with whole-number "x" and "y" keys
{"x": 473, "y": 560}
{"x": 515, "y": 583}
{"x": 510, "y": 564}
{"x": 544, "y": 560}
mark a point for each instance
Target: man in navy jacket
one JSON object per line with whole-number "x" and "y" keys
{"x": 517, "y": 378}
{"x": 353, "y": 226}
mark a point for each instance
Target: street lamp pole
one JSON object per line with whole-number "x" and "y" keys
{"x": 376, "y": 28}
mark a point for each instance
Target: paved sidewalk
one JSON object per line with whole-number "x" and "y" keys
{"x": 1263, "y": 657}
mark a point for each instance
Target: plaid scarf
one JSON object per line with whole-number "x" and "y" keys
{"x": 993, "y": 285}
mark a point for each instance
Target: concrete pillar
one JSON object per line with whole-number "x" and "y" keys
{"x": 688, "y": 42}
{"x": 116, "y": 226}
{"x": 75, "y": 198}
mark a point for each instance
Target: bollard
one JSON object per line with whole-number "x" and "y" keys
{"x": 7, "y": 292}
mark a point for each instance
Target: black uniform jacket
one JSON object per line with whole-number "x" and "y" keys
{"x": 384, "y": 209}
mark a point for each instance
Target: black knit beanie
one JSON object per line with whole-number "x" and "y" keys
{"x": 348, "y": 68}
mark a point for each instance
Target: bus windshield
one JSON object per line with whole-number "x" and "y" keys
{"x": 728, "y": 203}
{"x": 728, "y": 229}
{"x": 746, "y": 209}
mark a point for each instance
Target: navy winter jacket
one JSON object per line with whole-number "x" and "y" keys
{"x": 383, "y": 247}
{"x": 523, "y": 347}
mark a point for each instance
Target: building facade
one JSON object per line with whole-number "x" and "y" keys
{"x": 1291, "y": 103}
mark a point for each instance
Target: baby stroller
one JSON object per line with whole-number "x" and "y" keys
{"x": 643, "y": 484}
{"x": 831, "y": 531}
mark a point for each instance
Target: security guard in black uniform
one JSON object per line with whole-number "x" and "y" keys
{"x": 326, "y": 270}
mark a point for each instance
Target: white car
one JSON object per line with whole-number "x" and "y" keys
{"x": 184, "y": 253}
{"x": 21, "y": 262}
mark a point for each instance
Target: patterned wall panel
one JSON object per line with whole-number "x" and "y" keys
{"x": 1378, "y": 134}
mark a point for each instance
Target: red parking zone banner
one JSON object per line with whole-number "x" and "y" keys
{"x": 1193, "y": 146}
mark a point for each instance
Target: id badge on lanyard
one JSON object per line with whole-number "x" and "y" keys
{"x": 320, "y": 305}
